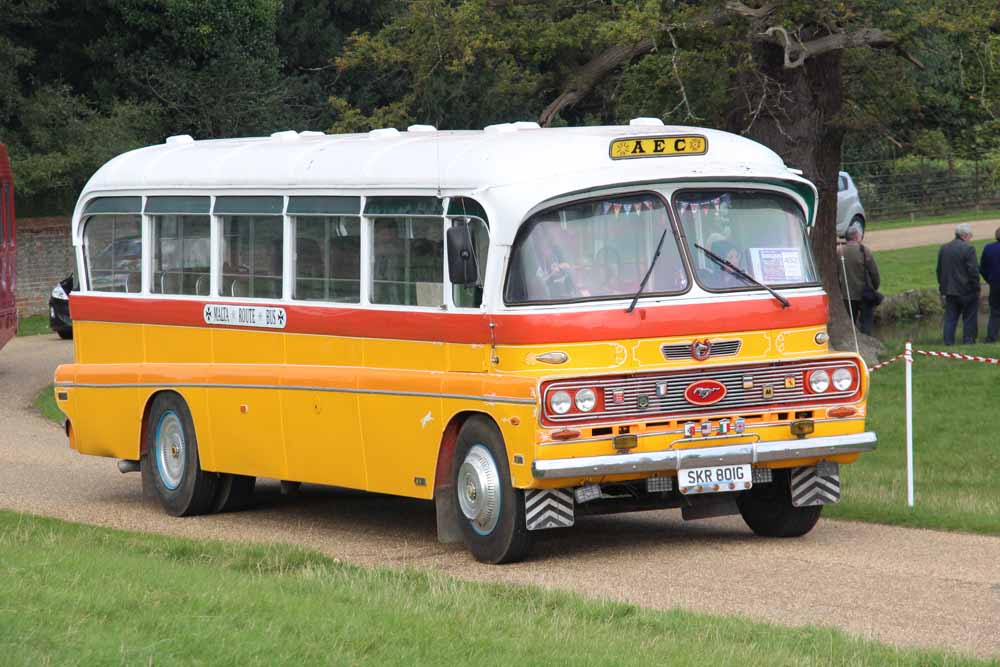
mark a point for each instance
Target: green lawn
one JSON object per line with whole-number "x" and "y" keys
{"x": 75, "y": 594}
{"x": 33, "y": 325}
{"x": 921, "y": 221}
{"x": 912, "y": 268}
{"x": 955, "y": 444}
{"x": 45, "y": 403}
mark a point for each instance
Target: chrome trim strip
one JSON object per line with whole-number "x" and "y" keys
{"x": 677, "y": 459}
{"x": 335, "y": 390}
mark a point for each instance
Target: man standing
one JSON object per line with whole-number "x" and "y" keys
{"x": 958, "y": 282}
{"x": 989, "y": 266}
{"x": 862, "y": 280}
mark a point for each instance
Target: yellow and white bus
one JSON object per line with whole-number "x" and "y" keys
{"x": 523, "y": 325}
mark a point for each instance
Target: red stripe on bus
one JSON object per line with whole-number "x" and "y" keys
{"x": 511, "y": 329}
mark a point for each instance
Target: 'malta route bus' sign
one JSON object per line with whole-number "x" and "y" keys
{"x": 262, "y": 317}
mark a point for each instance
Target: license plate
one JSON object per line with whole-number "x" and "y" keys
{"x": 715, "y": 479}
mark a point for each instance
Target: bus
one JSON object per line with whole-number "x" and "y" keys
{"x": 523, "y": 325}
{"x": 8, "y": 252}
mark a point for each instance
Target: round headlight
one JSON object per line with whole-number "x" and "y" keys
{"x": 586, "y": 399}
{"x": 560, "y": 402}
{"x": 819, "y": 381}
{"x": 842, "y": 379}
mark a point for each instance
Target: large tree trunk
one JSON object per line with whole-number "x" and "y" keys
{"x": 807, "y": 138}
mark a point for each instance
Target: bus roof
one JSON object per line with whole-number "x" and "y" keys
{"x": 530, "y": 164}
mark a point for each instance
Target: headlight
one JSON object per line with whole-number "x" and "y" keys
{"x": 59, "y": 293}
{"x": 586, "y": 399}
{"x": 842, "y": 379}
{"x": 560, "y": 402}
{"x": 819, "y": 381}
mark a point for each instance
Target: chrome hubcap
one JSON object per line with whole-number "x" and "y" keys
{"x": 479, "y": 489}
{"x": 170, "y": 450}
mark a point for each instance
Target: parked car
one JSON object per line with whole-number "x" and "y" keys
{"x": 849, "y": 208}
{"x": 59, "y": 319}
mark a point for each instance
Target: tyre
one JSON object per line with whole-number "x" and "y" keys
{"x": 490, "y": 510}
{"x": 769, "y": 512}
{"x": 65, "y": 334}
{"x": 233, "y": 492}
{"x": 171, "y": 465}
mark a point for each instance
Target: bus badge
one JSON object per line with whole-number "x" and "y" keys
{"x": 642, "y": 401}
{"x": 661, "y": 389}
{"x": 701, "y": 349}
{"x": 705, "y": 392}
{"x": 619, "y": 396}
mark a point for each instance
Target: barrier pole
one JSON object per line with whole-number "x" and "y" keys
{"x": 908, "y": 358}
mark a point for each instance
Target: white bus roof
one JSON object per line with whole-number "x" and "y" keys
{"x": 518, "y": 164}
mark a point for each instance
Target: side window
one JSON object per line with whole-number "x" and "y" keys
{"x": 113, "y": 252}
{"x": 471, "y": 296}
{"x": 252, "y": 256}
{"x": 181, "y": 254}
{"x": 842, "y": 183}
{"x": 328, "y": 258}
{"x": 408, "y": 261}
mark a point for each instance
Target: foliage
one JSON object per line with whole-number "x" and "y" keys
{"x": 45, "y": 404}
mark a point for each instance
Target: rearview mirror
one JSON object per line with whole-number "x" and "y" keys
{"x": 463, "y": 267}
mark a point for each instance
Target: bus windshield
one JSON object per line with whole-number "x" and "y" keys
{"x": 597, "y": 249}
{"x": 762, "y": 233}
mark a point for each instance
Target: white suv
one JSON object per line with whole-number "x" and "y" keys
{"x": 849, "y": 208}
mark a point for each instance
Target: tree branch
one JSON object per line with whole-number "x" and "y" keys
{"x": 797, "y": 51}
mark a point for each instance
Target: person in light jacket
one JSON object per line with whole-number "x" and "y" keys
{"x": 958, "y": 282}
{"x": 989, "y": 266}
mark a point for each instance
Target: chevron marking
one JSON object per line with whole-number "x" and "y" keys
{"x": 809, "y": 488}
{"x": 548, "y": 508}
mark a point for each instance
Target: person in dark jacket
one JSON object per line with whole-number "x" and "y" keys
{"x": 860, "y": 289}
{"x": 958, "y": 281}
{"x": 989, "y": 266}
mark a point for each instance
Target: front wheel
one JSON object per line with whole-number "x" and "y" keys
{"x": 491, "y": 511}
{"x": 769, "y": 512}
{"x": 171, "y": 465}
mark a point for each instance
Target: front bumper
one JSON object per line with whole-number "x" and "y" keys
{"x": 59, "y": 317}
{"x": 677, "y": 459}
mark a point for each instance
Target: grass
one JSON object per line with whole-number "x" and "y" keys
{"x": 912, "y": 268}
{"x": 33, "y": 325}
{"x": 952, "y": 218}
{"x": 956, "y": 457}
{"x": 77, "y": 594}
{"x": 45, "y": 403}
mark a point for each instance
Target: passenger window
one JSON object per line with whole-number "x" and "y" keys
{"x": 328, "y": 258}
{"x": 471, "y": 296}
{"x": 408, "y": 261}
{"x": 181, "y": 254}
{"x": 113, "y": 253}
{"x": 252, "y": 256}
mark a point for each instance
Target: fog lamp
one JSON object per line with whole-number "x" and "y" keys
{"x": 803, "y": 427}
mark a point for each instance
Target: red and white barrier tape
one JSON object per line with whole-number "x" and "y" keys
{"x": 958, "y": 355}
{"x": 872, "y": 369}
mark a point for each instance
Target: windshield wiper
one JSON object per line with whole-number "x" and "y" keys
{"x": 742, "y": 274}
{"x": 649, "y": 271}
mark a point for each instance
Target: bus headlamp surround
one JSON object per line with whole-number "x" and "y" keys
{"x": 560, "y": 402}
{"x": 585, "y": 400}
{"x": 819, "y": 381}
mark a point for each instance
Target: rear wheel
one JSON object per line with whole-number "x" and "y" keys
{"x": 769, "y": 512}
{"x": 233, "y": 492}
{"x": 491, "y": 511}
{"x": 171, "y": 465}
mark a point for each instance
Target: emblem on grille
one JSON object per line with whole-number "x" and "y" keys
{"x": 705, "y": 392}
{"x": 642, "y": 401}
{"x": 701, "y": 349}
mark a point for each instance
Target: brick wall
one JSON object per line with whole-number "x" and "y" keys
{"x": 44, "y": 257}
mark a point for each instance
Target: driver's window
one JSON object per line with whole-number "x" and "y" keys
{"x": 471, "y": 296}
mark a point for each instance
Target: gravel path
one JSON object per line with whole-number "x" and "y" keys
{"x": 901, "y": 586}
{"x": 910, "y": 237}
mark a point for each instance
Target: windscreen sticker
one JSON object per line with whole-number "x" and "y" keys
{"x": 262, "y": 317}
{"x": 777, "y": 265}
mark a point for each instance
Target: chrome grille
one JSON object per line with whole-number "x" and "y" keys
{"x": 720, "y": 348}
{"x": 674, "y": 404}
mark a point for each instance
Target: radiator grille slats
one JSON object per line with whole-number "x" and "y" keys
{"x": 635, "y": 390}
{"x": 720, "y": 348}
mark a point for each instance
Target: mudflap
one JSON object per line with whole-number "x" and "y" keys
{"x": 816, "y": 485}
{"x": 548, "y": 508}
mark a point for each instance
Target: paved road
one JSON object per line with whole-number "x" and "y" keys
{"x": 909, "y": 237}
{"x": 901, "y": 586}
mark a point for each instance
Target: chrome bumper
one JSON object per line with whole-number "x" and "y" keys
{"x": 677, "y": 459}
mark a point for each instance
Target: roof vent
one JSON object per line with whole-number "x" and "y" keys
{"x": 500, "y": 127}
{"x": 421, "y": 128}
{"x": 527, "y": 125}
{"x": 180, "y": 139}
{"x": 287, "y": 135}
{"x": 311, "y": 133}
{"x": 646, "y": 122}
{"x": 383, "y": 133}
